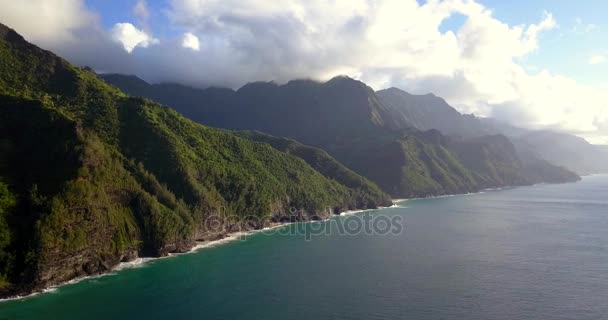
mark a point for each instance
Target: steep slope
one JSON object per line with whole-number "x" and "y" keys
{"x": 213, "y": 101}
{"x": 348, "y": 120}
{"x": 90, "y": 177}
{"x": 426, "y": 112}
{"x": 323, "y": 163}
{"x": 413, "y": 165}
{"x": 496, "y": 159}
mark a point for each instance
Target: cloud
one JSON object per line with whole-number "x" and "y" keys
{"x": 385, "y": 43}
{"x": 47, "y": 22}
{"x": 130, "y": 37}
{"x": 140, "y": 10}
{"x": 597, "y": 59}
{"x": 582, "y": 28}
{"x": 191, "y": 41}
{"x": 67, "y": 28}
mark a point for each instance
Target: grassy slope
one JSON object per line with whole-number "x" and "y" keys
{"x": 326, "y": 165}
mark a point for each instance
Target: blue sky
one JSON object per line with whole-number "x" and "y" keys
{"x": 113, "y": 11}
{"x": 581, "y": 33}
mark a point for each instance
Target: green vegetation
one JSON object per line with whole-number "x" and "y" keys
{"x": 373, "y": 134}
{"x": 366, "y": 193}
{"x": 89, "y": 176}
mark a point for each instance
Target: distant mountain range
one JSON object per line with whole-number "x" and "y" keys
{"x": 426, "y": 112}
{"x": 361, "y": 129}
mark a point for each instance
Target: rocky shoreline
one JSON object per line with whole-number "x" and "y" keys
{"x": 58, "y": 276}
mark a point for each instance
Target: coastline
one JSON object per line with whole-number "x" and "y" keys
{"x": 482, "y": 191}
{"x": 142, "y": 261}
{"x": 230, "y": 237}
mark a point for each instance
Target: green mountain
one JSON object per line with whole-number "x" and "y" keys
{"x": 356, "y": 126}
{"x": 326, "y": 165}
{"x": 90, "y": 177}
{"x": 426, "y": 112}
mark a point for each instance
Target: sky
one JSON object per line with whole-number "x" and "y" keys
{"x": 536, "y": 64}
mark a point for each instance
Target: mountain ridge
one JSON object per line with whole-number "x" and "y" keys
{"x": 561, "y": 149}
{"x": 351, "y": 122}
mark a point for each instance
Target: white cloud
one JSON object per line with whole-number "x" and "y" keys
{"x": 582, "y": 28}
{"x": 140, "y": 10}
{"x": 191, "y": 41}
{"x": 130, "y": 37}
{"x": 45, "y": 22}
{"x": 384, "y": 43}
{"x": 597, "y": 59}
{"x": 68, "y": 28}
{"x": 393, "y": 43}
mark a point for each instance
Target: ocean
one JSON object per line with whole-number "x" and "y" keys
{"x": 538, "y": 252}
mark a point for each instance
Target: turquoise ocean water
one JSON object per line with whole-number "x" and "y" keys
{"x": 538, "y": 252}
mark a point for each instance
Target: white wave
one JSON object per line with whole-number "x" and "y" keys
{"x": 215, "y": 243}
{"x": 136, "y": 263}
{"x": 55, "y": 288}
{"x": 351, "y": 212}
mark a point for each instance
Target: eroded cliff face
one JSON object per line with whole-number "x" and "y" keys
{"x": 55, "y": 266}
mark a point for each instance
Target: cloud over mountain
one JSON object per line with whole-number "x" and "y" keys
{"x": 384, "y": 43}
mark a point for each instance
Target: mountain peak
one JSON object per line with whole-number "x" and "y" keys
{"x": 344, "y": 80}
{"x": 258, "y": 85}
{"x": 341, "y": 77}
